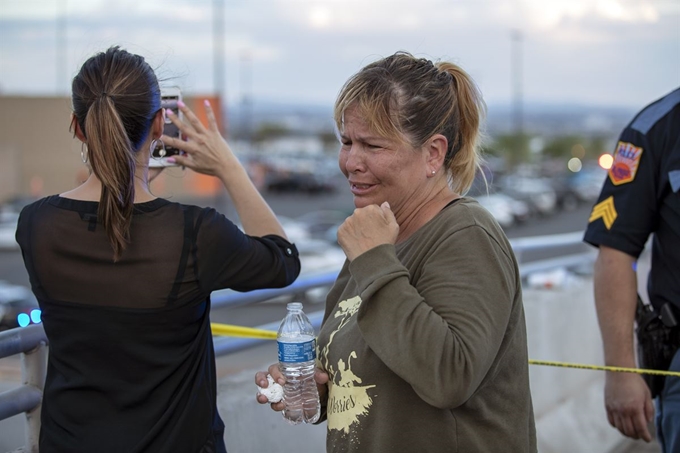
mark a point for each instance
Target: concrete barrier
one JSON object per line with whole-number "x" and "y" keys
{"x": 568, "y": 403}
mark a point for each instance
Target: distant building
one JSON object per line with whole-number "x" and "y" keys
{"x": 39, "y": 156}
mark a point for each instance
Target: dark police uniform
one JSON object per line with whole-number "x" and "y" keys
{"x": 641, "y": 196}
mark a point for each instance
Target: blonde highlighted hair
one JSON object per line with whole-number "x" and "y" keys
{"x": 403, "y": 96}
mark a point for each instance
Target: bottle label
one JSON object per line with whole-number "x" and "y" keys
{"x": 297, "y": 352}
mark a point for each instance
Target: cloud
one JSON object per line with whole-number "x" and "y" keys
{"x": 304, "y": 50}
{"x": 368, "y": 17}
{"x": 550, "y": 14}
{"x": 31, "y": 10}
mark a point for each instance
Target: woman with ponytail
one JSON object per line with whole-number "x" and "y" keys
{"x": 124, "y": 278}
{"x": 423, "y": 346}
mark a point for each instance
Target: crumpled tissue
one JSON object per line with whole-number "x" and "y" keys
{"x": 273, "y": 391}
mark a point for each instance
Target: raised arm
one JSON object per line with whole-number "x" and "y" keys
{"x": 207, "y": 152}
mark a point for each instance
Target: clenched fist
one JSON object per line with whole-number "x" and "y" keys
{"x": 366, "y": 228}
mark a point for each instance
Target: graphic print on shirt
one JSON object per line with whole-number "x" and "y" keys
{"x": 347, "y": 399}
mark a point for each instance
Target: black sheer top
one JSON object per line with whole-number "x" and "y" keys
{"x": 131, "y": 365}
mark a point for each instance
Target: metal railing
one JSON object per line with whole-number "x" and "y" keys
{"x": 31, "y": 341}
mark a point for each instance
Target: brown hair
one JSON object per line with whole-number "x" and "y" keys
{"x": 401, "y": 95}
{"x": 115, "y": 98}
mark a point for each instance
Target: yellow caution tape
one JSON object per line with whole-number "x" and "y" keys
{"x": 605, "y": 368}
{"x": 239, "y": 331}
{"x": 230, "y": 330}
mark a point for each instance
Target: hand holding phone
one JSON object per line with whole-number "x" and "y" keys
{"x": 205, "y": 150}
{"x": 170, "y": 97}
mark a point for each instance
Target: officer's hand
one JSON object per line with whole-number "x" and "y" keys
{"x": 629, "y": 404}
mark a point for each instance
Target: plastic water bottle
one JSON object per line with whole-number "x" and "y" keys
{"x": 297, "y": 356}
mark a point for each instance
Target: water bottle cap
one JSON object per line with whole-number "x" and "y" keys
{"x": 294, "y": 306}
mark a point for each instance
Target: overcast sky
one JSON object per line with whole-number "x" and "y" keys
{"x": 597, "y": 52}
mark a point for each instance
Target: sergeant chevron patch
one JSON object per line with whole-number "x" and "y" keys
{"x": 604, "y": 210}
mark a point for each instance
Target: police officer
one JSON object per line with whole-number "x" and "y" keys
{"x": 640, "y": 196}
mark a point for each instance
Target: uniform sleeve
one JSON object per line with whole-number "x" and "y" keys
{"x": 228, "y": 258}
{"x": 443, "y": 335}
{"x": 623, "y": 217}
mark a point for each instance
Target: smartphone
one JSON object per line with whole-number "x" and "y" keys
{"x": 170, "y": 96}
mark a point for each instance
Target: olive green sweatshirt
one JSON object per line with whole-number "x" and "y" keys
{"x": 425, "y": 344}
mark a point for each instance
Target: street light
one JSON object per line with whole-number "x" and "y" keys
{"x": 516, "y": 73}
{"x": 218, "y": 54}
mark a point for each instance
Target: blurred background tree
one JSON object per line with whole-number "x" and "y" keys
{"x": 330, "y": 141}
{"x": 269, "y": 131}
{"x": 513, "y": 148}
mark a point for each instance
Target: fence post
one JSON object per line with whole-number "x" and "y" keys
{"x": 33, "y": 369}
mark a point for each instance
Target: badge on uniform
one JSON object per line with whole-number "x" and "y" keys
{"x": 625, "y": 165}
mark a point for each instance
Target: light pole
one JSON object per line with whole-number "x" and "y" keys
{"x": 61, "y": 43}
{"x": 246, "y": 97}
{"x": 218, "y": 55}
{"x": 517, "y": 88}
{"x": 221, "y": 200}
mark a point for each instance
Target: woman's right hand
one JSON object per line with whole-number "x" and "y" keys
{"x": 261, "y": 380}
{"x": 206, "y": 151}
{"x": 320, "y": 376}
{"x": 366, "y": 228}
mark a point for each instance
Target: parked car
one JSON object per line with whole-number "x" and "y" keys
{"x": 520, "y": 209}
{"x": 317, "y": 223}
{"x": 536, "y": 192}
{"x": 499, "y": 207}
{"x": 587, "y": 183}
{"x": 18, "y": 306}
{"x": 8, "y": 228}
{"x": 16, "y": 204}
{"x": 297, "y": 182}
{"x": 576, "y": 188}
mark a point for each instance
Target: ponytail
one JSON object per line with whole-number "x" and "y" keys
{"x": 465, "y": 158}
{"x": 113, "y": 163}
{"x": 115, "y": 98}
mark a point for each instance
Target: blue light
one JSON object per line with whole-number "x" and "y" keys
{"x": 23, "y": 319}
{"x": 35, "y": 316}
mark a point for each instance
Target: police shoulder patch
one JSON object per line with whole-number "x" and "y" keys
{"x": 625, "y": 165}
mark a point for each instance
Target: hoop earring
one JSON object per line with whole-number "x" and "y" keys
{"x": 83, "y": 153}
{"x": 154, "y": 146}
